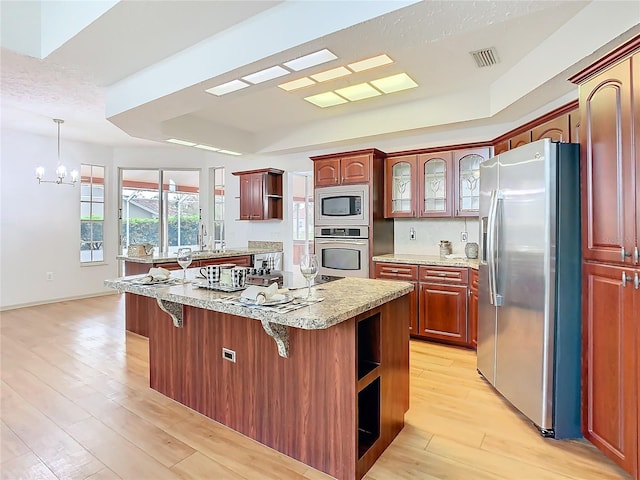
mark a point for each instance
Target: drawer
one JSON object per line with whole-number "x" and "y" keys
{"x": 396, "y": 271}
{"x": 444, "y": 274}
{"x": 473, "y": 274}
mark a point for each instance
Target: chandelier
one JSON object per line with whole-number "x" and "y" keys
{"x": 61, "y": 170}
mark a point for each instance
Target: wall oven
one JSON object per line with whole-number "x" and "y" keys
{"x": 343, "y": 250}
{"x": 342, "y": 205}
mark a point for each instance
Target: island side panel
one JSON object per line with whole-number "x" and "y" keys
{"x": 135, "y": 305}
{"x": 394, "y": 378}
{"x": 302, "y": 406}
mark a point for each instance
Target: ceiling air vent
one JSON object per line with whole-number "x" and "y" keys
{"x": 485, "y": 57}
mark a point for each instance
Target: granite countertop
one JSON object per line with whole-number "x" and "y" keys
{"x": 228, "y": 252}
{"x": 427, "y": 260}
{"x": 343, "y": 299}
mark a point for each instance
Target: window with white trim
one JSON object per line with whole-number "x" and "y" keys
{"x": 91, "y": 213}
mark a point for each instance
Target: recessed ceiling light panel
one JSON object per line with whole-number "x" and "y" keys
{"x": 368, "y": 63}
{"x": 207, "y": 147}
{"x": 180, "y": 142}
{"x": 358, "y": 92}
{"x": 229, "y": 152}
{"x": 394, "y": 83}
{"x": 331, "y": 74}
{"x": 310, "y": 60}
{"x": 296, "y": 84}
{"x": 327, "y": 99}
{"x": 266, "y": 74}
{"x": 228, "y": 87}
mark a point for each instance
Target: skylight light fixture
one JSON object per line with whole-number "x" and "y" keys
{"x": 331, "y": 74}
{"x": 266, "y": 74}
{"x": 368, "y": 63}
{"x": 229, "y": 152}
{"x": 296, "y": 84}
{"x": 310, "y": 60}
{"x": 394, "y": 83}
{"x": 327, "y": 99}
{"x": 228, "y": 87}
{"x": 358, "y": 92}
{"x": 181, "y": 142}
{"x": 206, "y": 147}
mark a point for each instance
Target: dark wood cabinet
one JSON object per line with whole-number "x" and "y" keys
{"x": 434, "y": 184}
{"x": 260, "y": 194}
{"x": 519, "y": 140}
{"x": 443, "y": 303}
{"x": 558, "y": 130}
{"x": 611, "y": 315}
{"x": 607, "y": 165}
{"x": 610, "y": 180}
{"x": 467, "y": 180}
{"x": 472, "y": 313}
{"x": 407, "y": 273}
{"x": 347, "y": 170}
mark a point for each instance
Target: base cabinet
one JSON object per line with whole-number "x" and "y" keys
{"x": 611, "y": 325}
{"x": 472, "y": 313}
{"x": 439, "y": 308}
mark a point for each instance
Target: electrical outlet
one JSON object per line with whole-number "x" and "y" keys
{"x": 229, "y": 355}
{"x": 464, "y": 236}
{"x": 412, "y": 233}
{"x": 49, "y": 276}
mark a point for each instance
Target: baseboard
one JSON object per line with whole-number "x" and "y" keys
{"x": 4, "y": 308}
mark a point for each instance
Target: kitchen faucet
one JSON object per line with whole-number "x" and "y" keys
{"x": 202, "y": 234}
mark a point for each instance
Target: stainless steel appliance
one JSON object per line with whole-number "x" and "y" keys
{"x": 343, "y": 250}
{"x": 342, "y": 205}
{"x": 529, "y": 290}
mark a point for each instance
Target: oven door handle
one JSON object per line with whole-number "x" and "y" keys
{"x": 348, "y": 242}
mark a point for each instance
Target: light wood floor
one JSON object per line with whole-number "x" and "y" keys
{"x": 76, "y": 405}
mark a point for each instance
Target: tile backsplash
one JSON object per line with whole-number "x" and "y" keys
{"x": 429, "y": 232}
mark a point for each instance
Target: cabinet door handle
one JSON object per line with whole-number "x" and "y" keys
{"x": 635, "y": 254}
{"x": 625, "y": 279}
{"x": 636, "y": 281}
{"x": 624, "y": 253}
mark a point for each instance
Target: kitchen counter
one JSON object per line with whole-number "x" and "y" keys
{"x": 160, "y": 258}
{"x": 345, "y": 358}
{"x": 339, "y": 304}
{"x": 427, "y": 260}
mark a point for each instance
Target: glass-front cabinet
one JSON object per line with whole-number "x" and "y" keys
{"x": 401, "y": 175}
{"x": 435, "y": 184}
{"x": 467, "y": 163}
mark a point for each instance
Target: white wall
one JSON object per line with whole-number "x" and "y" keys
{"x": 40, "y": 226}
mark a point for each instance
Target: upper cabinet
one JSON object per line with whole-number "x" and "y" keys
{"x": 436, "y": 181}
{"x": 260, "y": 194}
{"x": 436, "y": 184}
{"x": 609, "y": 165}
{"x": 559, "y": 125}
{"x": 345, "y": 170}
{"x": 467, "y": 191}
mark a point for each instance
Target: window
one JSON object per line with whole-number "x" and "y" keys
{"x": 302, "y": 201}
{"x": 218, "y": 206}
{"x": 160, "y": 207}
{"x": 91, "y": 213}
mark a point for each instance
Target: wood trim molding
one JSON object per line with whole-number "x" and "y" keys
{"x": 569, "y": 107}
{"x": 260, "y": 170}
{"x": 369, "y": 151}
{"x": 615, "y": 55}
{"x": 442, "y": 148}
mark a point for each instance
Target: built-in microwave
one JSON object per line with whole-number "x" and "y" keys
{"x": 342, "y": 205}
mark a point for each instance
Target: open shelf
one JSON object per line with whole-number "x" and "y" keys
{"x": 368, "y": 345}
{"x": 368, "y": 416}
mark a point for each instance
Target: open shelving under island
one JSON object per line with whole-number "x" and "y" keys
{"x": 326, "y": 384}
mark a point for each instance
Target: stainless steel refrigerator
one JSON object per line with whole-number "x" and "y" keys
{"x": 529, "y": 274}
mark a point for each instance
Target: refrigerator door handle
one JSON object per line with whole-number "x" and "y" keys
{"x": 496, "y": 296}
{"x": 491, "y": 246}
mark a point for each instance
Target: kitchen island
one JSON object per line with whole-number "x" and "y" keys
{"x": 326, "y": 384}
{"x": 135, "y": 317}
